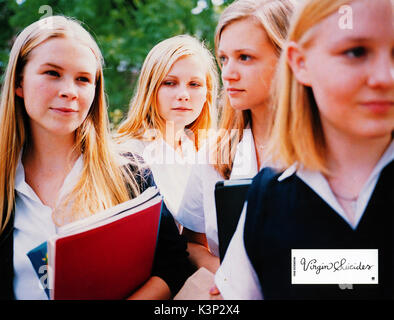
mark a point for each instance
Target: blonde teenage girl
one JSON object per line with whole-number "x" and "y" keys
{"x": 333, "y": 139}
{"x": 57, "y": 164}
{"x": 171, "y": 112}
{"x": 248, "y": 41}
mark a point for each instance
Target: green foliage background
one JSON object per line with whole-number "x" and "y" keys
{"x": 125, "y": 30}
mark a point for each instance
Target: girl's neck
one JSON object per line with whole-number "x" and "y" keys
{"x": 50, "y": 151}
{"x": 261, "y": 118}
{"x": 350, "y": 154}
{"x": 47, "y": 160}
{"x": 350, "y": 162}
{"x": 173, "y": 136}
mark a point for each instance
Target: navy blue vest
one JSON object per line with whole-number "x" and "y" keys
{"x": 289, "y": 215}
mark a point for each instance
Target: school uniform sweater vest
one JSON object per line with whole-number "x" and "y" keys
{"x": 289, "y": 215}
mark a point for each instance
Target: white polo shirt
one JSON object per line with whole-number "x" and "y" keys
{"x": 198, "y": 210}
{"x": 33, "y": 226}
{"x": 236, "y": 278}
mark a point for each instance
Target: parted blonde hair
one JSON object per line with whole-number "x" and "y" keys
{"x": 102, "y": 183}
{"x": 143, "y": 108}
{"x": 297, "y": 134}
{"x": 274, "y": 17}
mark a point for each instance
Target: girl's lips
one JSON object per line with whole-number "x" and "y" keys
{"x": 378, "y": 106}
{"x": 234, "y": 91}
{"x": 181, "y": 109}
{"x": 64, "y": 110}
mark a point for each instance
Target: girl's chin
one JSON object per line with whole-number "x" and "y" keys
{"x": 239, "y": 107}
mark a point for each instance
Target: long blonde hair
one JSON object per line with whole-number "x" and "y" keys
{"x": 143, "y": 109}
{"x": 297, "y": 134}
{"x": 102, "y": 182}
{"x": 274, "y": 17}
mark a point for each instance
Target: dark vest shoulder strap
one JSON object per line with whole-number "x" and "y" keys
{"x": 257, "y": 193}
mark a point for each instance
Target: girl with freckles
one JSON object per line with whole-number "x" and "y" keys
{"x": 57, "y": 161}
{"x": 333, "y": 142}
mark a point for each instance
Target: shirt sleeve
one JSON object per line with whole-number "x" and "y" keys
{"x": 236, "y": 278}
{"x": 191, "y": 210}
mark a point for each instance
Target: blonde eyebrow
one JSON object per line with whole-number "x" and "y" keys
{"x": 353, "y": 39}
{"x": 52, "y": 65}
{"x": 176, "y": 77}
{"x": 49, "y": 64}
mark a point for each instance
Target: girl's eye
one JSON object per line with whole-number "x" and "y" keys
{"x": 195, "y": 84}
{"x": 83, "y": 79}
{"x": 52, "y": 73}
{"x": 169, "y": 83}
{"x": 245, "y": 57}
{"x": 222, "y": 59}
{"x": 357, "y": 52}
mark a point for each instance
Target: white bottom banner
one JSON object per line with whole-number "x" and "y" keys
{"x": 334, "y": 266}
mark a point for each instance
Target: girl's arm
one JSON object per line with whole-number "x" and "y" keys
{"x": 200, "y": 256}
{"x": 154, "y": 289}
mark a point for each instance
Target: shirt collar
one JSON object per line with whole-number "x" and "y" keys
{"x": 317, "y": 182}
{"x": 159, "y": 151}
{"x": 20, "y": 183}
{"x": 387, "y": 157}
{"x": 245, "y": 161}
{"x": 70, "y": 181}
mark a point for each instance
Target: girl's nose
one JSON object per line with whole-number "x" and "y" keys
{"x": 183, "y": 94}
{"x": 229, "y": 71}
{"x": 382, "y": 73}
{"x": 68, "y": 89}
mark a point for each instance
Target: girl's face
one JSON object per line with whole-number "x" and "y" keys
{"x": 248, "y": 64}
{"x": 183, "y": 92}
{"x": 58, "y": 86}
{"x": 351, "y": 71}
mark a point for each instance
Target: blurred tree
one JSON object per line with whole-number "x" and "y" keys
{"x": 125, "y": 30}
{"x": 6, "y": 34}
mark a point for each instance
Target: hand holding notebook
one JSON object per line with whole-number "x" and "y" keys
{"x": 107, "y": 255}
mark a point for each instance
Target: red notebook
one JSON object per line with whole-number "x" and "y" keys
{"x": 108, "y": 255}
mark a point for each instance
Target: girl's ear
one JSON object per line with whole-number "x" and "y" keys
{"x": 296, "y": 60}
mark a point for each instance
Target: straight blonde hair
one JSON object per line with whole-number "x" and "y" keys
{"x": 102, "y": 182}
{"x": 297, "y": 134}
{"x": 143, "y": 113}
{"x": 274, "y": 17}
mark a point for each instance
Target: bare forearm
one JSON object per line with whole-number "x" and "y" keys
{"x": 200, "y": 256}
{"x": 154, "y": 289}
